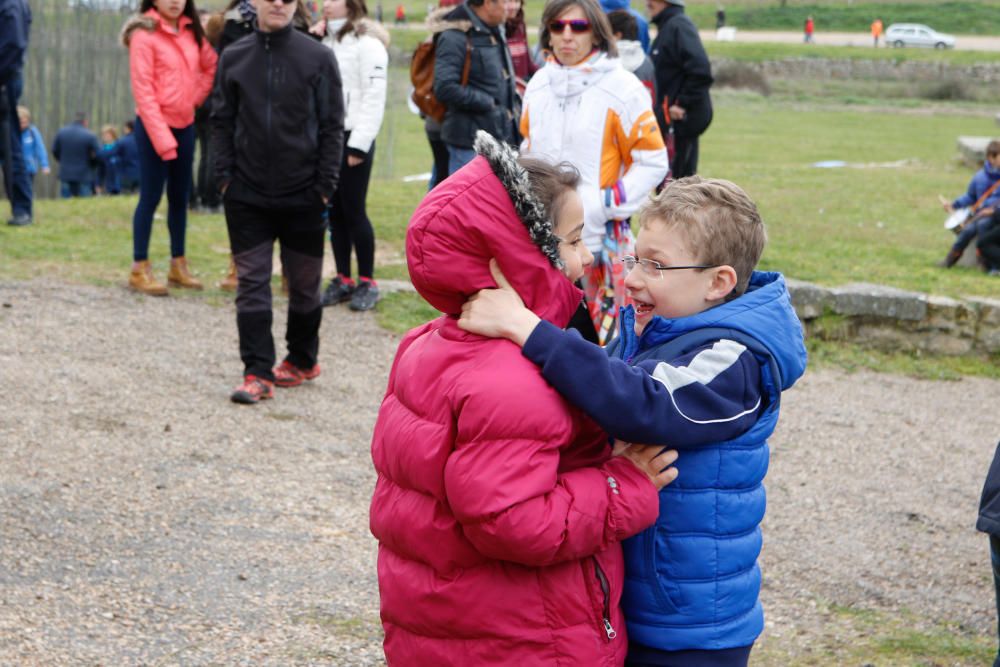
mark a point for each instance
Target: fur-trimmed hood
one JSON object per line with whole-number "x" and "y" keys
{"x": 449, "y": 18}
{"x": 137, "y": 22}
{"x": 486, "y": 210}
{"x": 365, "y": 26}
{"x": 149, "y": 20}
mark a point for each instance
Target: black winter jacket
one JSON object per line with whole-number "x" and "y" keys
{"x": 683, "y": 72}
{"x": 278, "y": 120}
{"x": 489, "y": 101}
{"x": 989, "y": 504}
{"x": 15, "y": 24}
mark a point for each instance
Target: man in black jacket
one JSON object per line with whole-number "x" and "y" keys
{"x": 683, "y": 77}
{"x": 277, "y": 132}
{"x": 15, "y": 23}
{"x": 487, "y": 100}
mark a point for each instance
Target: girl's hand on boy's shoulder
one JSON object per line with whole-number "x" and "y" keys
{"x": 499, "y": 312}
{"x": 654, "y": 460}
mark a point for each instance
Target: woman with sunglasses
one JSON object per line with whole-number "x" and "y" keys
{"x": 171, "y": 65}
{"x": 584, "y": 108}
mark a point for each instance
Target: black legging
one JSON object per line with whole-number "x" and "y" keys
{"x": 988, "y": 243}
{"x": 350, "y": 227}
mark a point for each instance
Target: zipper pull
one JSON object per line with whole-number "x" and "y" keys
{"x": 608, "y": 630}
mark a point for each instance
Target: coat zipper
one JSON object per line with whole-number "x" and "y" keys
{"x": 606, "y": 590}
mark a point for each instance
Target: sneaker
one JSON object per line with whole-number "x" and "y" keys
{"x": 287, "y": 374}
{"x": 365, "y": 295}
{"x": 338, "y": 291}
{"x": 252, "y": 390}
{"x": 20, "y": 220}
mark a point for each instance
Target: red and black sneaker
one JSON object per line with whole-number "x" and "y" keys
{"x": 287, "y": 374}
{"x": 252, "y": 390}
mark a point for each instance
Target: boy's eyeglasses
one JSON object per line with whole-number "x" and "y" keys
{"x": 576, "y": 25}
{"x": 652, "y": 269}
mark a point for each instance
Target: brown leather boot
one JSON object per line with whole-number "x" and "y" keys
{"x": 179, "y": 276}
{"x": 951, "y": 259}
{"x": 230, "y": 282}
{"x": 141, "y": 280}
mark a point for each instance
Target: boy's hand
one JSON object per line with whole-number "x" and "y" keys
{"x": 654, "y": 460}
{"x": 498, "y": 313}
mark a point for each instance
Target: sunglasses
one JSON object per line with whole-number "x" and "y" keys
{"x": 279, "y": 2}
{"x": 576, "y": 25}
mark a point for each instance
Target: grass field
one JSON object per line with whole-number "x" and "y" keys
{"x": 876, "y": 220}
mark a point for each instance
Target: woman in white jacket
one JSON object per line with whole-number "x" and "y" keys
{"x": 584, "y": 108}
{"x": 360, "y": 47}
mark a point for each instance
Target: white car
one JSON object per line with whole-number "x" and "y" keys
{"x": 917, "y": 34}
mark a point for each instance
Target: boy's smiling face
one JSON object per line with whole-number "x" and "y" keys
{"x": 673, "y": 294}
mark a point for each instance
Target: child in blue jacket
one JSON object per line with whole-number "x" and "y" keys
{"x": 982, "y": 197}
{"x": 36, "y": 158}
{"x": 700, "y": 365}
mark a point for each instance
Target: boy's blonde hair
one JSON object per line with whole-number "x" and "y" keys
{"x": 110, "y": 129}
{"x": 718, "y": 219}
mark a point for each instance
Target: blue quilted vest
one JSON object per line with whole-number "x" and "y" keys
{"x": 692, "y": 579}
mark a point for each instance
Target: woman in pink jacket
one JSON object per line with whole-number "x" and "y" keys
{"x": 498, "y": 507}
{"x": 172, "y": 66}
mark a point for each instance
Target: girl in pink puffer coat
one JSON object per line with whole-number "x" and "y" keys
{"x": 498, "y": 506}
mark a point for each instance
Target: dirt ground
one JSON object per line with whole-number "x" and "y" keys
{"x": 146, "y": 520}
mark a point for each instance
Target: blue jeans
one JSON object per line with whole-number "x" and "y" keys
{"x": 19, "y": 189}
{"x": 153, "y": 172}
{"x": 971, "y": 231}
{"x": 69, "y": 189}
{"x": 458, "y": 157}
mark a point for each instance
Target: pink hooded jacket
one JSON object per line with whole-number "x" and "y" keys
{"x": 171, "y": 75}
{"x": 497, "y": 508}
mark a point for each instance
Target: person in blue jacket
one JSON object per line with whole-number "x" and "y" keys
{"x": 109, "y": 162}
{"x": 76, "y": 149}
{"x": 129, "y": 154}
{"x": 981, "y": 198}
{"x": 36, "y": 158}
{"x": 700, "y": 365}
{"x": 611, "y": 5}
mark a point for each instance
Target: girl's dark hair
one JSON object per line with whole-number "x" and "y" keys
{"x": 549, "y": 182}
{"x": 189, "y": 11}
{"x": 516, "y": 23}
{"x": 599, "y": 25}
{"x": 356, "y": 10}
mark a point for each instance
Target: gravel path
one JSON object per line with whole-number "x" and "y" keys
{"x": 144, "y": 519}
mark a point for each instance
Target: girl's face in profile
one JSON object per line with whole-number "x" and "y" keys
{"x": 569, "y": 229}
{"x": 334, "y": 9}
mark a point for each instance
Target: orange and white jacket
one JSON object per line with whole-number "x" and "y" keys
{"x": 598, "y": 117}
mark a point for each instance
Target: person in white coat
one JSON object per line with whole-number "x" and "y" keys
{"x": 359, "y": 45}
{"x": 584, "y": 108}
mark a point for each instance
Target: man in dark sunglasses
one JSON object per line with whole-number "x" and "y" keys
{"x": 683, "y": 79}
{"x": 278, "y": 133}
{"x": 474, "y": 78}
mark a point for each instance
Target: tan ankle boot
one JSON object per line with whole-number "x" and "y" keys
{"x": 141, "y": 280}
{"x": 230, "y": 282}
{"x": 180, "y": 276}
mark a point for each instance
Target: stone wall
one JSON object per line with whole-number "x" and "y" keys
{"x": 894, "y": 319}
{"x": 908, "y": 70}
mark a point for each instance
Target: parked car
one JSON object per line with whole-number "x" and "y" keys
{"x": 917, "y": 34}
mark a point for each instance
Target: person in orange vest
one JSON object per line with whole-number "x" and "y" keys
{"x": 876, "y": 31}
{"x": 400, "y": 14}
{"x": 810, "y": 27}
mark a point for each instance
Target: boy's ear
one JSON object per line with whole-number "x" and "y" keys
{"x": 723, "y": 282}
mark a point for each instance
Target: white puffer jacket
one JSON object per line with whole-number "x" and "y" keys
{"x": 599, "y": 118}
{"x": 363, "y": 62}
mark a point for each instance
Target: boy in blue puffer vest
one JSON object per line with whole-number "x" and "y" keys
{"x": 700, "y": 365}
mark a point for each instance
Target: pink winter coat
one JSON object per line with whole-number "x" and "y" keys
{"x": 171, "y": 75}
{"x": 497, "y": 508}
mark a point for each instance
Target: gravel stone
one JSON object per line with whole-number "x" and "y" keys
{"x": 147, "y": 520}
